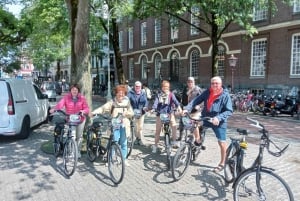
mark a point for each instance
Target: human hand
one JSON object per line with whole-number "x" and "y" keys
{"x": 215, "y": 121}
{"x": 51, "y": 110}
{"x": 184, "y": 112}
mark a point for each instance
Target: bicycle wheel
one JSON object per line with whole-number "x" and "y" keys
{"x": 181, "y": 161}
{"x": 168, "y": 149}
{"x": 92, "y": 146}
{"x": 130, "y": 143}
{"x": 70, "y": 157}
{"x": 272, "y": 187}
{"x": 115, "y": 161}
{"x": 230, "y": 167}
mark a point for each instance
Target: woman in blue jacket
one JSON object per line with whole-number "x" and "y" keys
{"x": 218, "y": 106}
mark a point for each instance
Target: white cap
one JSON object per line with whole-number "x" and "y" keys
{"x": 138, "y": 83}
{"x": 191, "y": 78}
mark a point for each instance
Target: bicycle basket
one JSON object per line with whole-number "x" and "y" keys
{"x": 58, "y": 119}
{"x": 187, "y": 123}
{"x": 117, "y": 122}
{"x": 137, "y": 113}
{"x": 75, "y": 119}
{"x": 165, "y": 118}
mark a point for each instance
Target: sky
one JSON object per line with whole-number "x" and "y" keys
{"x": 15, "y": 9}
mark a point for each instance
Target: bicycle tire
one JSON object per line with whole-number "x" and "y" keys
{"x": 56, "y": 146}
{"x": 181, "y": 161}
{"x": 70, "y": 156}
{"x": 272, "y": 185}
{"x": 168, "y": 149}
{"x": 116, "y": 166}
{"x": 130, "y": 143}
{"x": 92, "y": 146}
{"x": 230, "y": 167}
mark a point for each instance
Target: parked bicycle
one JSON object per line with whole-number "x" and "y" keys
{"x": 259, "y": 182}
{"x": 96, "y": 147}
{"x": 234, "y": 163}
{"x": 188, "y": 151}
{"x": 64, "y": 140}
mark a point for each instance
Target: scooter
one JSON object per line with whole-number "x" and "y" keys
{"x": 287, "y": 106}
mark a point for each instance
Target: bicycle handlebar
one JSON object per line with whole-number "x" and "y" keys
{"x": 209, "y": 119}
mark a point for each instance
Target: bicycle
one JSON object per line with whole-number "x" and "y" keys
{"x": 112, "y": 150}
{"x": 259, "y": 182}
{"x": 64, "y": 141}
{"x": 188, "y": 151}
{"x": 235, "y": 152}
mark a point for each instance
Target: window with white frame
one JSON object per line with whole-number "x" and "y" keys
{"x": 131, "y": 68}
{"x": 260, "y": 11}
{"x": 130, "y": 37}
{"x": 296, "y": 6}
{"x": 295, "y": 56}
{"x": 143, "y": 34}
{"x": 174, "y": 24}
{"x": 258, "y": 57}
{"x": 157, "y": 63}
{"x": 157, "y": 28}
{"x": 195, "y": 12}
{"x": 221, "y": 61}
{"x": 121, "y": 40}
{"x": 144, "y": 67}
{"x": 194, "y": 63}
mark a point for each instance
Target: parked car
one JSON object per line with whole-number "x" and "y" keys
{"x": 49, "y": 88}
{"x": 22, "y": 107}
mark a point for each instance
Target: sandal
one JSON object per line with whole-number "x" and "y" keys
{"x": 219, "y": 168}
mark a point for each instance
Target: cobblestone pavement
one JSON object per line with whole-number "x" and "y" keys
{"x": 28, "y": 173}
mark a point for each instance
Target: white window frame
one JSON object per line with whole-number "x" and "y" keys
{"x": 144, "y": 67}
{"x": 121, "y": 40}
{"x": 174, "y": 28}
{"x": 195, "y": 11}
{"x": 258, "y": 57}
{"x": 221, "y": 61}
{"x": 144, "y": 34}
{"x": 157, "y": 63}
{"x": 157, "y": 33}
{"x": 131, "y": 69}
{"x": 296, "y": 6}
{"x": 194, "y": 63}
{"x": 260, "y": 12}
{"x": 130, "y": 37}
{"x": 295, "y": 55}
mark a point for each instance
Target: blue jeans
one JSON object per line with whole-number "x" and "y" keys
{"x": 121, "y": 139}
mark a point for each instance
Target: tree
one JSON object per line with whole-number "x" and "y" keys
{"x": 13, "y": 32}
{"x": 216, "y": 15}
{"x": 79, "y": 28}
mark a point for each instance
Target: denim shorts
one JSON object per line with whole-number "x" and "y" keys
{"x": 220, "y": 133}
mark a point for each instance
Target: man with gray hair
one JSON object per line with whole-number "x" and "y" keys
{"x": 139, "y": 104}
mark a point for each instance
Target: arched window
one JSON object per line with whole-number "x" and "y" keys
{"x": 144, "y": 67}
{"x": 194, "y": 63}
{"x": 174, "y": 66}
{"x": 221, "y": 61}
{"x": 157, "y": 63}
{"x": 131, "y": 68}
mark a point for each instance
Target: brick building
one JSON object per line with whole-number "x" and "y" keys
{"x": 154, "y": 50}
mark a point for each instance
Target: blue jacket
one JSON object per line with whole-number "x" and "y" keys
{"x": 221, "y": 107}
{"x": 163, "y": 107}
{"x": 138, "y": 102}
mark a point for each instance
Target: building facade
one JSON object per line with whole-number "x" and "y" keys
{"x": 153, "y": 49}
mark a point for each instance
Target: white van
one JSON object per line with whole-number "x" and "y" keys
{"x": 22, "y": 106}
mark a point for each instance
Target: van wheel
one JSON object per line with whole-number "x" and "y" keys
{"x": 25, "y": 130}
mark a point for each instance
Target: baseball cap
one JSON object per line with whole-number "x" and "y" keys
{"x": 191, "y": 79}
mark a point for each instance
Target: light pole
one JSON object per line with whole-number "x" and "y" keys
{"x": 108, "y": 97}
{"x": 232, "y": 63}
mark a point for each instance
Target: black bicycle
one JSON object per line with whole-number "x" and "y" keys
{"x": 234, "y": 163}
{"x": 259, "y": 182}
{"x": 188, "y": 151}
{"x": 97, "y": 146}
{"x": 64, "y": 142}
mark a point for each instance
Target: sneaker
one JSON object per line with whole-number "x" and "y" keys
{"x": 197, "y": 144}
{"x": 154, "y": 149}
{"x": 127, "y": 163}
{"x": 175, "y": 144}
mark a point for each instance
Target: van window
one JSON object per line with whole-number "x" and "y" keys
{"x": 38, "y": 92}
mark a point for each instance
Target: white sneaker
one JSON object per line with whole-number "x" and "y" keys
{"x": 154, "y": 149}
{"x": 175, "y": 144}
{"x": 127, "y": 163}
